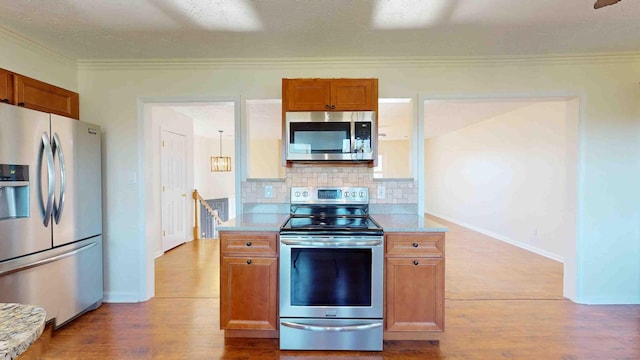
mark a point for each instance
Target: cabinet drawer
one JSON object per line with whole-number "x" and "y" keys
{"x": 256, "y": 243}
{"x": 415, "y": 244}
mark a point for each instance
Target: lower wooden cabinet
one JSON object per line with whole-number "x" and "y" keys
{"x": 414, "y": 295}
{"x": 250, "y": 296}
{"x": 414, "y": 285}
{"x": 249, "y": 284}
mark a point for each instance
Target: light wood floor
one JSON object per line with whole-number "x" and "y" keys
{"x": 501, "y": 303}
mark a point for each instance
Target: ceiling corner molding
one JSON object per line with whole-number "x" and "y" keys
{"x": 34, "y": 46}
{"x": 351, "y": 62}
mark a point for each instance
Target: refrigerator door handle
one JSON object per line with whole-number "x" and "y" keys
{"x": 59, "y": 204}
{"x": 45, "y": 151}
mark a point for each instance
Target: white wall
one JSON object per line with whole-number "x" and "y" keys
{"x": 607, "y": 258}
{"x": 24, "y": 57}
{"x": 396, "y": 158}
{"x": 506, "y": 176}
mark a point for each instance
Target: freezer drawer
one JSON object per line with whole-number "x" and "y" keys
{"x": 66, "y": 281}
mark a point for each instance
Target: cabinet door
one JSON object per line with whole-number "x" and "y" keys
{"x": 307, "y": 94}
{"x": 248, "y": 293}
{"x": 6, "y": 86}
{"x": 353, "y": 95}
{"x": 34, "y": 94}
{"x": 415, "y": 294}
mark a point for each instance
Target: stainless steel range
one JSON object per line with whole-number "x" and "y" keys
{"x": 331, "y": 272}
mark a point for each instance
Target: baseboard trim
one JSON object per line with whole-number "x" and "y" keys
{"x": 120, "y": 297}
{"x": 502, "y": 238}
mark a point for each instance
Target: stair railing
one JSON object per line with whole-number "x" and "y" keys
{"x": 210, "y": 220}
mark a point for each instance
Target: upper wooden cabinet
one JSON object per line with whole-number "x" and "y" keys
{"x": 6, "y": 86}
{"x": 330, "y": 94}
{"x": 37, "y": 95}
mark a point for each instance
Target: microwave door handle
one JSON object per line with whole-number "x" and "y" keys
{"x": 46, "y": 152}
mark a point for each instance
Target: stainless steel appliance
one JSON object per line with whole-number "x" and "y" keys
{"x": 50, "y": 212}
{"x": 331, "y": 272}
{"x": 337, "y": 136}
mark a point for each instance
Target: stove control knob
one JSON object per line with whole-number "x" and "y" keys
{"x": 361, "y": 194}
{"x": 346, "y": 194}
{"x": 305, "y": 194}
{"x": 353, "y": 194}
{"x": 297, "y": 194}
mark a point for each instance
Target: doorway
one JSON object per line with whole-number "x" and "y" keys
{"x": 200, "y": 119}
{"x": 507, "y": 168}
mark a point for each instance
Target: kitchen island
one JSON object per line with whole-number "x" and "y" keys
{"x": 20, "y": 326}
{"x": 414, "y": 276}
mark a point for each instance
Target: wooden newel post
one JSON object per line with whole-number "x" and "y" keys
{"x": 196, "y": 228}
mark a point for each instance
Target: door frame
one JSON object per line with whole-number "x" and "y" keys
{"x": 571, "y": 280}
{"x": 149, "y": 182}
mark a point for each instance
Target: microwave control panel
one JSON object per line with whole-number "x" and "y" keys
{"x": 362, "y": 130}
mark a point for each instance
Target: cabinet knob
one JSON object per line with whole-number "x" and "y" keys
{"x": 248, "y": 243}
{"x": 333, "y": 107}
{"x": 415, "y": 262}
{"x": 249, "y": 262}
{"x": 20, "y": 104}
{"x": 327, "y": 107}
{"x": 415, "y": 244}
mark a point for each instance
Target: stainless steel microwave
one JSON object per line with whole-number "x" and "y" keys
{"x": 331, "y": 136}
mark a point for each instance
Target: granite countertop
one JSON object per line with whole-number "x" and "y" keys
{"x": 20, "y": 326}
{"x": 254, "y": 222}
{"x": 389, "y": 222}
{"x": 407, "y": 223}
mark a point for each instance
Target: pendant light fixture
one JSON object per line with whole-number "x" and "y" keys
{"x": 220, "y": 163}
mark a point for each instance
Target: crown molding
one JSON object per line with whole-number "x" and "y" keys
{"x": 35, "y": 47}
{"x": 353, "y": 62}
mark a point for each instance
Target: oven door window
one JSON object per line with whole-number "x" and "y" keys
{"x": 320, "y": 138}
{"x": 330, "y": 277}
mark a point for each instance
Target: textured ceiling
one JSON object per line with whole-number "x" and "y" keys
{"x": 94, "y": 29}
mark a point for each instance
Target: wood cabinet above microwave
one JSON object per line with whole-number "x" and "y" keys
{"x": 6, "y": 87}
{"x": 329, "y": 94}
{"x": 34, "y": 94}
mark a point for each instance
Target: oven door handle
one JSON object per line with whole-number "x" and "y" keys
{"x": 330, "y": 328}
{"x": 320, "y": 243}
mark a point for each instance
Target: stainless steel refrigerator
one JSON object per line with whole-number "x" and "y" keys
{"x": 50, "y": 212}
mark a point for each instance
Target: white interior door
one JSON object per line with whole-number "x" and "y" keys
{"x": 174, "y": 189}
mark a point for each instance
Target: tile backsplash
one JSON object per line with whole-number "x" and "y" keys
{"x": 401, "y": 193}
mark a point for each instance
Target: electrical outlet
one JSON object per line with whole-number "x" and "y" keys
{"x": 381, "y": 192}
{"x": 268, "y": 191}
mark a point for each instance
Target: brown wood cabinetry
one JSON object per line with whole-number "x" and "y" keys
{"x": 249, "y": 284}
{"x": 33, "y": 94}
{"x": 37, "y": 95}
{"x": 6, "y": 86}
{"x": 329, "y": 94}
{"x": 414, "y": 295}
